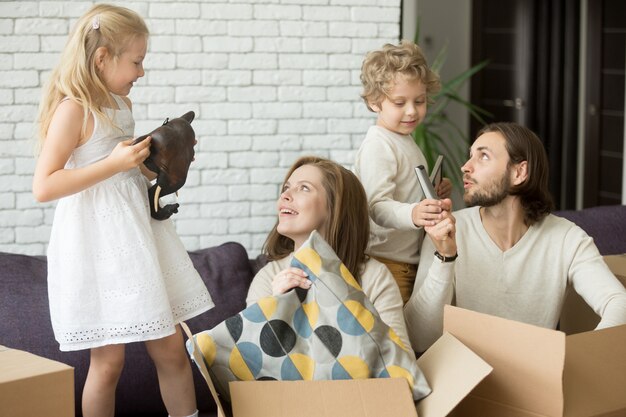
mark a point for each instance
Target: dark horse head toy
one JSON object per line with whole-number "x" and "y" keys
{"x": 171, "y": 153}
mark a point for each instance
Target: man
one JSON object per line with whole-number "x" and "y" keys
{"x": 515, "y": 259}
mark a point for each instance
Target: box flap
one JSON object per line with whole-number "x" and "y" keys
{"x": 18, "y": 364}
{"x": 595, "y": 372}
{"x": 452, "y": 370}
{"x": 339, "y": 398}
{"x": 527, "y": 360}
{"x": 576, "y": 315}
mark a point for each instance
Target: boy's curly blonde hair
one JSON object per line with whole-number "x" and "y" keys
{"x": 380, "y": 68}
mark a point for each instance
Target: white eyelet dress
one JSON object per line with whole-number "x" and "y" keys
{"x": 115, "y": 275}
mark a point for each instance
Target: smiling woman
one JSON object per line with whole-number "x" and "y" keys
{"x": 319, "y": 194}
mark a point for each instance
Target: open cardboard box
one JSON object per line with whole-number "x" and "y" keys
{"x": 541, "y": 372}
{"x": 451, "y": 369}
{"x": 34, "y": 386}
{"x": 576, "y": 315}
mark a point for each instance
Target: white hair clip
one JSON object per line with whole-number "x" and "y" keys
{"x": 95, "y": 23}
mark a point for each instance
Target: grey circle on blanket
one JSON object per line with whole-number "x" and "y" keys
{"x": 277, "y": 338}
{"x": 326, "y": 297}
{"x": 330, "y": 338}
{"x": 234, "y": 325}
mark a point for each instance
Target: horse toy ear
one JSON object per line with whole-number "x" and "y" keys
{"x": 171, "y": 153}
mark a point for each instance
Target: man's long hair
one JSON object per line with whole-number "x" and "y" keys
{"x": 522, "y": 144}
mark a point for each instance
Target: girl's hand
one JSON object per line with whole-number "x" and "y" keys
{"x": 444, "y": 188}
{"x": 126, "y": 156}
{"x": 443, "y": 234}
{"x": 290, "y": 278}
{"x": 428, "y": 212}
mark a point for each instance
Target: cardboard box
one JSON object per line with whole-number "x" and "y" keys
{"x": 577, "y": 316}
{"x": 34, "y": 386}
{"x": 451, "y": 369}
{"x": 541, "y": 372}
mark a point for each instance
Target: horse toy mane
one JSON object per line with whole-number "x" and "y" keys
{"x": 171, "y": 153}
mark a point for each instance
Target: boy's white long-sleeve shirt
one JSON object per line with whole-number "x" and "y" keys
{"x": 527, "y": 283}
{"x": 385, "y": 163}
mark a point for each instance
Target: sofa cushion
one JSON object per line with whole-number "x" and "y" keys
{"x": 331, "y": 331}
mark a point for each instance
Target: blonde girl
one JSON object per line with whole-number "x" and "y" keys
{"x": 115, "y": 275}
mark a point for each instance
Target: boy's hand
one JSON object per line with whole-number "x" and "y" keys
{"x": 444, "y": 188}
{"x": 429, "y": 212}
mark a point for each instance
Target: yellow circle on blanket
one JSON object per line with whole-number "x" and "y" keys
{"x": 347, "y": 276}
{"x": 356, "y": 367}
{"x": 207, "y": 347}
{"x": 362, "y": 315}
{"x": 267, "y": 306}
{"x": 312, "y": 312}
{"x": 304, "y": 364}
{"x": 396, "y": 339}
{"x": 311, "y": 259}
{"x": 400, "y": 372}
{"x": 238, "y": 366}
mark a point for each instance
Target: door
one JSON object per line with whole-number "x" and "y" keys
{"x": 501, "y": 33}
{"x": 604, "y": 103}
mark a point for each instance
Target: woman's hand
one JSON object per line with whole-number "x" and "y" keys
{"x": 126, "y": 156}
{"x": 290, "y": 278}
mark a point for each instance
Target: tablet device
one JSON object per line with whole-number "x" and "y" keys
{"x": 436, "y": 174}
{"x": 425, "y": 183}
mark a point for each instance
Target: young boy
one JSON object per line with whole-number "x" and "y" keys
{"x": 397, "y": 84}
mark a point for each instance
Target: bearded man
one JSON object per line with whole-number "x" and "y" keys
{"x": 506, "y": 255}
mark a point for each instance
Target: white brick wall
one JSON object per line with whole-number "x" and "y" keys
{"x": 269, "y": 81}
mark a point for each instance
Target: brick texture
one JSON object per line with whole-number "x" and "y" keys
{"x": 269, "y": 81}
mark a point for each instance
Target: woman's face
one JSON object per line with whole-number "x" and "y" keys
{"x": 302, "y": 205}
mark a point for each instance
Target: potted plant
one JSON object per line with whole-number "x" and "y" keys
{"x": 440, "y": 135}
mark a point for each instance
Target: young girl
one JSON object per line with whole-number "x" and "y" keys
{"x": 397, "y": 83}
{"x": 115, "y": 275}
{"x": 319, "y": 194}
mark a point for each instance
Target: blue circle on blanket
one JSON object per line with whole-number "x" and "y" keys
{"x": 252, "y": 356}
{"x": 301, "y": 323}
{"x": 338, "y": 372}
{"x": 348, "y": 323}
{"x": 254, "y": 314}
{"x": 277, "y": 338}
{"x": 288, "y": 371}
{"x": 384, "y": 374}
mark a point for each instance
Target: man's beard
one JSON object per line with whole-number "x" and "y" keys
{"x": 493, "y": 194}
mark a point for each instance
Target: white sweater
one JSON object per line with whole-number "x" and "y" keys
{"x": 376, "y": 281}
{"x": 526, "y": 283}
{"x": 385, "y": 163}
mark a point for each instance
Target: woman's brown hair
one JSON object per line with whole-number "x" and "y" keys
{"x": 347, "y": 225}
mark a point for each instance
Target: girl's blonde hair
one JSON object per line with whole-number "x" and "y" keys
{"x": 76, "y": 75}
{"x": 380, "y": 67}
{"x": 347, "y": 225}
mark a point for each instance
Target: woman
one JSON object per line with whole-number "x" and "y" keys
{"x": 319, "y": 194}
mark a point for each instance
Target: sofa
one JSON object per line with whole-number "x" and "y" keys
{"x": 227, "y": 272}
